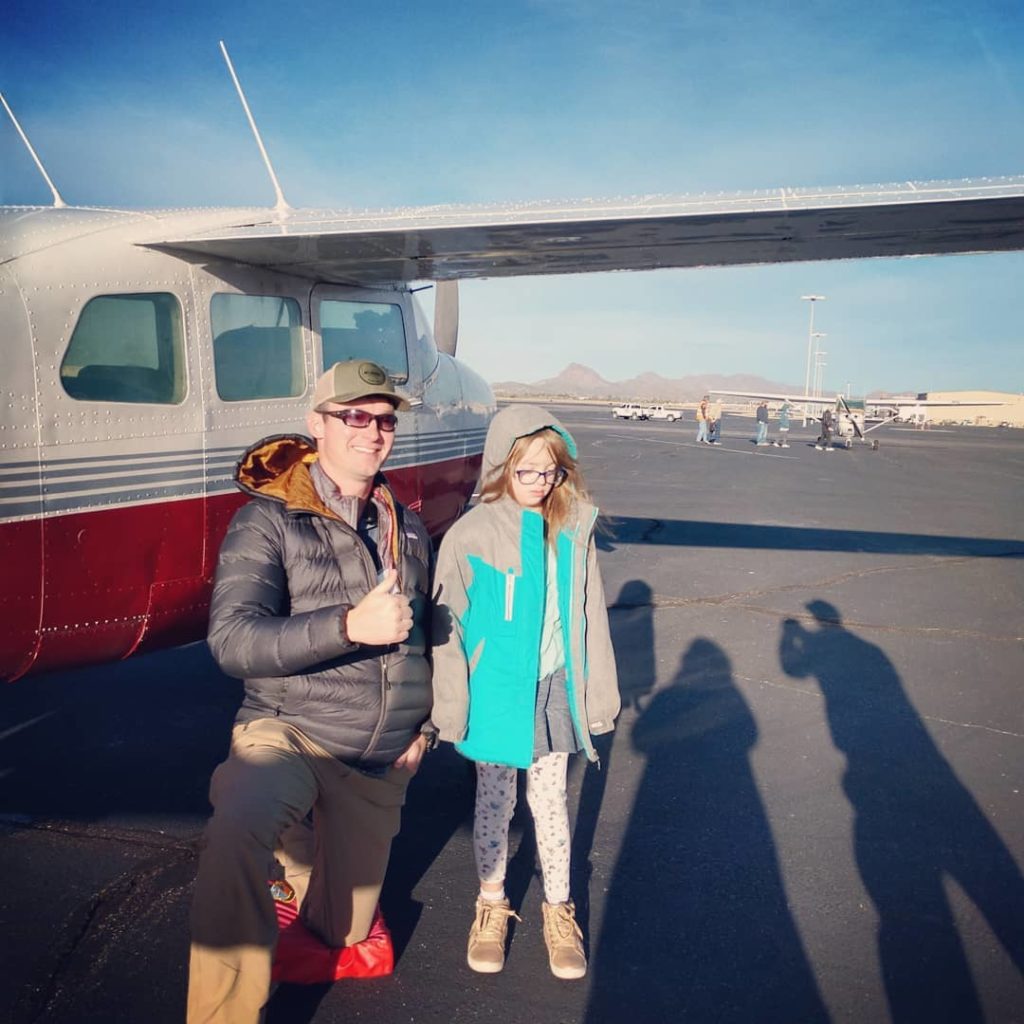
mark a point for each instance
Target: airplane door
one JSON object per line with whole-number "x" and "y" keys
{"x": 121, "y": 464}
{"x": 21, "y": 497}
{"x": 253, "y": 329}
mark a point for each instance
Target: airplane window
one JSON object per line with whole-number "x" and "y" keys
{"x": 364, "y": 330}
{"x": 257, "y": 347}
{"x": 127, "y": 348}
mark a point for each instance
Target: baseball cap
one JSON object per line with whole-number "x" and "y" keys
{"x": 358, "y": 378}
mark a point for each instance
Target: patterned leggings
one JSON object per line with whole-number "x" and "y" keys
{"x": 495, "y": 802}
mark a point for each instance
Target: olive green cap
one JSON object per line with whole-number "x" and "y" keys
{"x": 356, "y": 379}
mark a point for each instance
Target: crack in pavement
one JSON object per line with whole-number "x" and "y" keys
{"x": 100, "y": 833}
{"x": 807, "y": 692}
{"x": 102, "y": 919}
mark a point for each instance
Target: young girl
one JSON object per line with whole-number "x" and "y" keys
{"x": 524, "y": 673}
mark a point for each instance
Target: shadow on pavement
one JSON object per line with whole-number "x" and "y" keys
{"x": 632, "y": 631}
{"x": 696, "y": 926}
{"x": 915, "y": 826}
{"x": 696, "y": 533}
{"x": 439, "y": 802}
{"x": 135, "y": 743}
{"x": 139, "y": 737}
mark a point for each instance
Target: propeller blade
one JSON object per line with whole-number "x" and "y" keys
{"x": 446, "y": 316}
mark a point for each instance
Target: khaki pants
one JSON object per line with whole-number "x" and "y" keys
{"x": 272, "y": 778}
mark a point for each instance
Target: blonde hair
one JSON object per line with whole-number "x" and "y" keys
{"x": 560, "y": 503}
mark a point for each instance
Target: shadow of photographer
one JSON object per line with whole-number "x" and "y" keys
{"x": 696, "y": 925}
{"x": 915, "y": 825}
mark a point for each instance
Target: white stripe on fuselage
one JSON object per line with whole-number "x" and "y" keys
{"x": 30, "y": 490}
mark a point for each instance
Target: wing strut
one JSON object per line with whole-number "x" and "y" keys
{"x": 58, "y": 202}
{"x": 281, "y": 206}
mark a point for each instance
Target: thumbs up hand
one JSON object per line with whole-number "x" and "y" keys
{"x": 382, "y": 617}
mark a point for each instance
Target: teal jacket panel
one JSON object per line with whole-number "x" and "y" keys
{"x": 489, "y": 612}
{"x": 502, "y": 626}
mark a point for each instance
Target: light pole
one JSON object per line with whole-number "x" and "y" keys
{"x": 812, "y": 299}
{"x": 819, "y": 364}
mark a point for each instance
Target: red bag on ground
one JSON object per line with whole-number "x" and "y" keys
{"x": 302, "y": 958}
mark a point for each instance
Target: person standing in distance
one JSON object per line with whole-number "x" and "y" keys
{"x": 762, "y": 423}
{"x": 702, "y": 421}
{"x": 524, "y": 671}
{"x": 784, "y": 411}
{"x": 320, "y": 604}
{"x": 714, "y": 422}
{"x": 824, "y": 442}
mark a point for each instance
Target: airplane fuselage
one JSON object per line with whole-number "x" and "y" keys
{"x": 133, "y": 379}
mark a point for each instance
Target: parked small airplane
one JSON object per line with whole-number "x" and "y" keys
{"x": 850, "y": 415}
{"x": 144, "y": 350}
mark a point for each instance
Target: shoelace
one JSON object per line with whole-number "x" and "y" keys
{"x": 565, "y": 923}
{"x": 490, "y": 920}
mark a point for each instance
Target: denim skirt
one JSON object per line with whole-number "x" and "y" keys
{"x": 554, "y": 732}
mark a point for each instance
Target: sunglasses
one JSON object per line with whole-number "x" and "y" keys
{"x": 555, "y": 476}
{"x": 360, "y": 418}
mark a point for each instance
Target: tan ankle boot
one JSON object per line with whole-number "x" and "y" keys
{"x": 486, "y": 952}
{"x": 564, "y": 940}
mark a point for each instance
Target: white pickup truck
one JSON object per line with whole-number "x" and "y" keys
{"x": 631, "y": 411}
{"x": 636, "y": 411}
{"x": 659, "y": 412}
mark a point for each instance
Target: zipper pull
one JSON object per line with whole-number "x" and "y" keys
{"x": 510, "y": 589}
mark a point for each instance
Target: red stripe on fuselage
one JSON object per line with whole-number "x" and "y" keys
{"x": 89, "y": 587}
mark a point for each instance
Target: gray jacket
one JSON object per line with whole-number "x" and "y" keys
{"x": 489, "y": 609}
{"x": 288, "y": 573}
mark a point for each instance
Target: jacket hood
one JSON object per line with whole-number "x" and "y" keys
{"x": 512, "y": 423}
{"x": 278, "y": 467}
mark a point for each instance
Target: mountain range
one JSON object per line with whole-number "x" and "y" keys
{"x": 578, "y": 381}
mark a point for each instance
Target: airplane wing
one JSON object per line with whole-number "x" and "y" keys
{"x": 768, "y": 396}
{"x": 644, "y": 233}
{"x": 900, "y": 403}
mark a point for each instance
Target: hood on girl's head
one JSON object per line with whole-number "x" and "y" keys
{"x": 512, "y": 423}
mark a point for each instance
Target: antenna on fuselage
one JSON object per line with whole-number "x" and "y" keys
{"x": 57, "y": 200}
{"x": 281, "y": 206}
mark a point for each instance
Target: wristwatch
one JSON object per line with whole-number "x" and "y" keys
{"x": 429, "y": 732}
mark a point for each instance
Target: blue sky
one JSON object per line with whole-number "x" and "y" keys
{"x": 396, "y": 104}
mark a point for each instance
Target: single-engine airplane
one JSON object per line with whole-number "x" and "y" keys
{"x": 850, "y": 415}
{"x": 144, "y": 350}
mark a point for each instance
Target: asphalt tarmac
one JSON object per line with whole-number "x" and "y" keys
{"x": 811, "y": 809}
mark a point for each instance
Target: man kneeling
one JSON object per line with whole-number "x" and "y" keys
{"x": 319, "y": 604}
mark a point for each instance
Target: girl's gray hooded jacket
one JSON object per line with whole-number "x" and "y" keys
{"x": 489, "y": 610}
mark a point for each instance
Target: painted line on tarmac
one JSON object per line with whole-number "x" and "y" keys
{"x": 693, "y": 444}
{"x": 7, "y": 733}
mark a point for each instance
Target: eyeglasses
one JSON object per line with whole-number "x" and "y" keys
{"x": 555, "y": 476}
{"x": 360, "y": 418}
